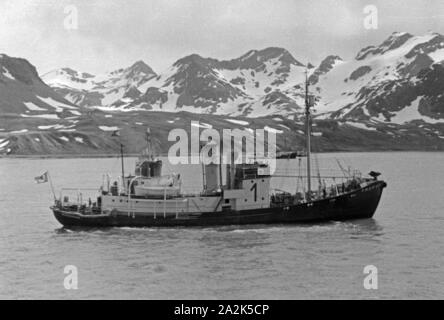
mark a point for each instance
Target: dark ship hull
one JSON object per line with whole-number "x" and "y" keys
{"x": 360, "y": 203}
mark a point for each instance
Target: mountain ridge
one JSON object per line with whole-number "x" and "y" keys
{"x": 388, "y": 97}
{"x": 269, "y": 82}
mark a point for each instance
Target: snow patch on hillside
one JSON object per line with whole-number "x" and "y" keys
{"x": 270, "y": 129}
{"x": 59, "y": 127}
{"x": 75, "y": 112}
{"x": 240, "y": 122}
{"x": 3, "y": 143}
{"x": 31, "y": 106}
{"x": 59, "y": 106}
{"x": 113, "y": 96}
{"x": 360, "y": 126}
{"x": 284, "y": 126}
{"x": 7, "y": 74}
{"x": 411, "y": 113}
{"x": 437, "y": 55}
{"x": 106, "y": 128}
{"x": 201, "y": 125}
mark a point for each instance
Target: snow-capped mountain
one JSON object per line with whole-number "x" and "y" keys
{"x": 399, "y": 81}
{"x": 85, "y": 89}
{"x": 28, "y": 105}
{"x": 23, "y": 93}
{"x": 252, "y": 85}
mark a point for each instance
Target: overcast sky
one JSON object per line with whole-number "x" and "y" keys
{"x": 115, "y": 33}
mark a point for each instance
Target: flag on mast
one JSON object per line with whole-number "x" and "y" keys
{"x": 42, "y": 179}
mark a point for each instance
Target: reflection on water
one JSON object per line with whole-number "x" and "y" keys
{"x": 404, "y": 240}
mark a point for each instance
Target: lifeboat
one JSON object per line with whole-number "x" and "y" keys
{"x": 158, "y": 187}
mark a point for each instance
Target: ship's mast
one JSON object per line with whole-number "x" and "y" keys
{"x": 123, "y": 168}
{"x": 116, "y": 133}
{"x": 308, "y": 134}
{"x": 149, "y": 151}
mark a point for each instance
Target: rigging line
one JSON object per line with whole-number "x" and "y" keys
{"x": 347, "y": 163}
{"x": 342, "y": 164}
{"x": 340, "y": 167}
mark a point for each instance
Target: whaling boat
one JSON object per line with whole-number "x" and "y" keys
{"x": 148, "y": 198}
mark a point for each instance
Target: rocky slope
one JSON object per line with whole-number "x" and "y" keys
{"x": 23, "y": 92}
{"x": 91, "y": 134}
{"x": 397, "y": 82}
{"x": 26, "y": 102}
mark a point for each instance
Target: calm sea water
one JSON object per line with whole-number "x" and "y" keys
{"x": 405, "y": 241}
